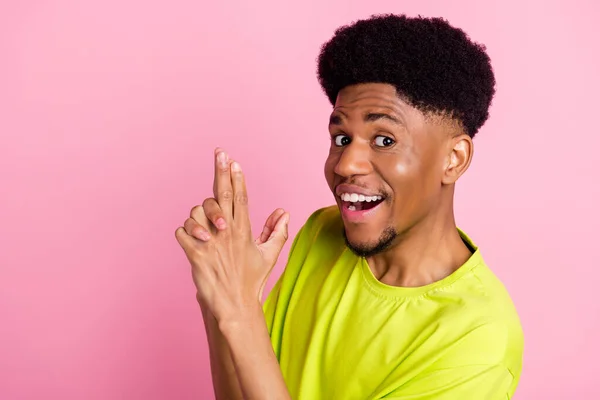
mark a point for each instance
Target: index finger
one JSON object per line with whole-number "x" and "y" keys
{"x": 222, "y": 184}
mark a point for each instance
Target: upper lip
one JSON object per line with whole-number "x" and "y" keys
{"x": 344, "y": 188}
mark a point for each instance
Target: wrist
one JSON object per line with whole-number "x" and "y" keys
{"x": 210, "y": 323}
{"x": 242, "y": 319}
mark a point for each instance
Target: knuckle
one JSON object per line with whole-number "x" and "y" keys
{"x": 225, "y": 234}
{"x": 247, "y": 236}
{"x": 209, "y": 203}
{"x": 212, "y": 210}
{"x": 196, "y": 211}
{"x": 195, "y": 257}
{"x": 241, "y": 198}
{"x": 226, "y": 195}
{"x": 178, "y": 232}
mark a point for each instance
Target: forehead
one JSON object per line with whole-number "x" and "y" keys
{"x": 370, "y": 102}
{"x": 357, "y": 103}
{"x": 362, "y": 91}
{"x": 370, "y": 96}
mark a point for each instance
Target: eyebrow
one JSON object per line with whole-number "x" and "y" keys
{"x": 370, "y": 117}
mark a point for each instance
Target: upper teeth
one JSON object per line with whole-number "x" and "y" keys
{"x": 354, "y": 197}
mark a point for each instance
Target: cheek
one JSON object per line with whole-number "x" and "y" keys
{"x": 399, "y": 168}
{"x": 403, "y": 167}
{"x": 411, "y": 178}
{"x": 418, "y": 161}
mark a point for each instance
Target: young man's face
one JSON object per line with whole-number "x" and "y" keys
{"x": 385, "y": 165}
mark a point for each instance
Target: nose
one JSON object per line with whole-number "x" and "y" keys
{"x": 354, "y": 160}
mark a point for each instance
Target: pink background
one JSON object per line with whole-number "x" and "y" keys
{"x": 110, "y": 110}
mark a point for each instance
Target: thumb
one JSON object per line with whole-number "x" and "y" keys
{"x": 280, "y": 233}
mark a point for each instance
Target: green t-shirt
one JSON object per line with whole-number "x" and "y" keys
{"x": 339, "y": 333}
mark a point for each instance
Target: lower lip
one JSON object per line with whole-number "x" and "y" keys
{"x": 358, "y": 216}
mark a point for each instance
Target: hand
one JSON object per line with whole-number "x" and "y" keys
{"x": 229, "y": 268}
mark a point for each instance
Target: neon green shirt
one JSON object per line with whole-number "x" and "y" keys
{"x": 339, "y": 333}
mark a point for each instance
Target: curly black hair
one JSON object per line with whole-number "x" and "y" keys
{"x": 434, "y": 66}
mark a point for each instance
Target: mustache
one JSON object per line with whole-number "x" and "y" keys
{"x": 380, "y": 189}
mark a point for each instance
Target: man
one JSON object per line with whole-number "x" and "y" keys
{"x": 383, "y": 296}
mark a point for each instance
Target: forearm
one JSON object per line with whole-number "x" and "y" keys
{"x": 224, "y": 378}
{"x": 258, "y": 371}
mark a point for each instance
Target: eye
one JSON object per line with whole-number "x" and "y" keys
{"x": 384, "y": 141}
{"x": 341, "y": 140}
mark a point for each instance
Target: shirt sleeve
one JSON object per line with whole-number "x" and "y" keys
{"x": 472, "y": 368}
{"x": 272, "y": 300}
{"x": 275, "y": 305}
{"x": 476, "y": 382}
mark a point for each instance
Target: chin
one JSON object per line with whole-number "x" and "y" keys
{"x": 369, "y": 245}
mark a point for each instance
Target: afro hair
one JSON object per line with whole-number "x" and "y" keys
{"x": 433, "y": 66}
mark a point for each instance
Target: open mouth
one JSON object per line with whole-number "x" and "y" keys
{"x": 360, "y": 205}
{"x": 355, "y": 202}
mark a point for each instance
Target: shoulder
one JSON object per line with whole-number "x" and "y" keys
{"x": 316, "y": 245}
{"x": 504, "y": 317}
{"x": 323, "y": 228}
{"x": 492, "y": 329}
{"x": 322, "y": 221}
{"x": 484, "y": 293}
{"x": 318, "y": 240}
{"x": 479, "y": 319}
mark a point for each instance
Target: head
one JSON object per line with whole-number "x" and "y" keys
{"x": 408, "y": 96}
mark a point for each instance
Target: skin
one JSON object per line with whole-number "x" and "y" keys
{"x": 229, "y": 270}
{"x": 412, "y": 240}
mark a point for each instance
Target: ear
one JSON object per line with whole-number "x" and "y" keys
{"x": 458, "y": 158}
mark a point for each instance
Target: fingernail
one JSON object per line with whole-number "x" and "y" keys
{"x": 236, "y": 167}
{"x": 222, "y": 157}
{"x": 221, "y": 224}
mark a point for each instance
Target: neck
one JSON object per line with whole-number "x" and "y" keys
{"x": 429, "y": 251}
